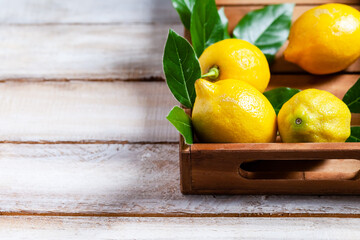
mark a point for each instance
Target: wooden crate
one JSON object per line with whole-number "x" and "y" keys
{"x": 277, "y": 168}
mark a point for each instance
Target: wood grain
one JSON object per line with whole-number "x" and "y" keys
{"x": 86, "y": 112}
{"x": 87, "y": 12}
{"x": 94, "y": 52}
{"x": 72, "y": 41}
{"x": 129, "y": 180}
{"x": 97, "y": 52}
{"x": 111, "y": 11}
{"x": 50, "y": 228}
{"x": 83, "y": 52}
{"x": 78, "y": 111}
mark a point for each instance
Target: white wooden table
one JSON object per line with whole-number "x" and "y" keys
{"x": 86, "y": 151}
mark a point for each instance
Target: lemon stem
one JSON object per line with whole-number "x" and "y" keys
{"x": 212, "y": 74}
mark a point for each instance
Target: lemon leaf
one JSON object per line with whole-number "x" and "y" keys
{"x": 352, "y": 98}
{"x": 206, "y": 27}
{"x": 355, "y": 135}
{"x": 182, "y": 122}
{"x": 181, "y": 68}
{"x": 224, "y": 22}
{"x": 278, "y": 96}
{"x": 267, "y": 28}
{"x": 184, "y": 9}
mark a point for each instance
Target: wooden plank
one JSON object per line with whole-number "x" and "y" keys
{"x": 130, "y": 180}
{"x": 110, "y": 111}
{"x": 118, "y": 51}
{"x": 261, "y": 2}
{"x": 86, "y": 111}
{"x": 87, "y": 12}
{"x": 110, "y": 11}
{"x": 83, "y": 52}
{"x": 17, "y": 227}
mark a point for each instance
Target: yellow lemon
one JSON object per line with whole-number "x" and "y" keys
{"x": 325, "y": 39}
{"x": 236, "y": 59}
{"x": 232, "y": 111}
{"x": 314, "y": 116}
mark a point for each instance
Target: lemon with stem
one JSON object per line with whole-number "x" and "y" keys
{"x": 235, "y": 59}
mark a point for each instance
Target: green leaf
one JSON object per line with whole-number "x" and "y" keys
{"x": 278, "y": 96}
{"x": 224, "y": 22}
{"x": 355, "y": 135}
{"x": 184, "y": 9}
{"x": 267, "y": 28}
{"x": 352, "y": 98}
{"x": 181, "y": 68}
{"x": 206, "y": 27}
{"x": 182, "y": 123}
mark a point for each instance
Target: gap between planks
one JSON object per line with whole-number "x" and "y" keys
{"x": 87, "y": 142}
{"x": 185, "y": 215}
{"x": 162, "y": 79}
{"x": 140, "y": 79}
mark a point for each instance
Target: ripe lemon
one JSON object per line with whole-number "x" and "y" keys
{"x": 314, "y": 116}
{"x": 232, "y": 111}
{"x": 237, "y": 59}
{"x": 325, "y": 39}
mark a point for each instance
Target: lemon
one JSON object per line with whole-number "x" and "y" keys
{"x": 237, "y": 59}
{"x": 325, "y": 39}
{"x": 232, "y": 111}
{"x": 314, "y": 116}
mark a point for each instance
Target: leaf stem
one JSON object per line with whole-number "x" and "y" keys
{"x": 212, "y": 74}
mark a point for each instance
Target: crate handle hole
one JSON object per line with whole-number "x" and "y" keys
{"x": 327, "y": 169}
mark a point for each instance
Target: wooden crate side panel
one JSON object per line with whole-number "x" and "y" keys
{"x": 221, "y": 176}
{"x": 185, "y": 166}
{"x": 216, "y": 169}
